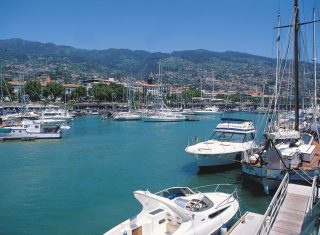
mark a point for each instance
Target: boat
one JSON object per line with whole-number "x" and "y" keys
{"x": 29, "y": 129}
{"x": 65, "y": 127}
{"x": 126, "y": 116}
{"x": 94, "y": 112}
{"x": 288, "y": 146}
{"x": 230, "y": 139}
{"x": 56, "y": 114}
{"x": 130, "y": 115}
{"x": 179, "y": 211}
{"x": 207, "y": 111}
{"x": 164, "y": 116}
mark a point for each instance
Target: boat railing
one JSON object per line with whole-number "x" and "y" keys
{"x": 215, "y": 187}
{"x": 233, "y": 196}
{"x": 230, "y": 189}
{"x": 313, "y": 196}
{"x": 313, "y": 209}
{"x": 273, "y": 207}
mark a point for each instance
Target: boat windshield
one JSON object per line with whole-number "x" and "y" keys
{"x": 228, "y": 137}
{"x": 194, "y": 205}
{"x": 172, "y": 193}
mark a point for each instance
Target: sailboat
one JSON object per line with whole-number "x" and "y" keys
{"x": 129, "y": 115}
{"x": 285, "y": 150}
{"x": 162, "y": 113}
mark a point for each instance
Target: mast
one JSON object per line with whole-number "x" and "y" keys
{"x": 278, "y": 57}
{"x": 314, "y": 60}
{"x": 296, "y": 63}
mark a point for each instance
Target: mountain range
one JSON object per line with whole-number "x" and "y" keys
{"x": 179, "y": 68}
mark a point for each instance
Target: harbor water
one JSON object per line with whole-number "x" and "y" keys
{"x": 83, "y": 183}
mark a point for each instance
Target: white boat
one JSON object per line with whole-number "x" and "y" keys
{"x": 164, "y": 116}
{"x": 56, "y": 114}
{"x": 126, "y": 116}
{"x": 179, "y": 211}
{"x": 65, "y": 127}
{"x": 298, "y": 155}
{"x": 207, "y": 111}
{"x": 95, "y": 112}
{"x": 187, "y": 112}
{"x": 230, "y": 139}
{"x": 296, "y": 151}
{"x": 29, "y": 129}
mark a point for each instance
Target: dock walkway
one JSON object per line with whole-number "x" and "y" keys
{"x": 289, "y": 209}
{"x": 292, "y": 211}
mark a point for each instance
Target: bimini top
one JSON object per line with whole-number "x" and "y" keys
{"x": 235, "y": 125}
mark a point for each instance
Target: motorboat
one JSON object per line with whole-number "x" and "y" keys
{"x": 230, "y": 139}
{"x": 29, "y": 129}
{"x": 56, "y": 114}
{"x": 179, "y": 211}
{"x": 164, "y": 116}
{"x": 207, "y": 111}
{"x": 126, "y": 116}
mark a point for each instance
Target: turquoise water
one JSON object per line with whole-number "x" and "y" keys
{"x": 83, "y": 183}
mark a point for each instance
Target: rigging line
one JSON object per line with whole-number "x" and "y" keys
{"x": 301, "y": 176}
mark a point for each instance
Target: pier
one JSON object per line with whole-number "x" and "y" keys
{"x": 292, "y": 210}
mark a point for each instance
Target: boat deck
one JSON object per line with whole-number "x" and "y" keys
{"x": 247, "y": 224}
{"x": 314, "y": 163}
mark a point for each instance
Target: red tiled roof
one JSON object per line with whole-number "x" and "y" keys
{"x": 71, "y": 85}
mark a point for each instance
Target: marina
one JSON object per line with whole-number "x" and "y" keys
{"x": 98, "y": 141}
{"x": 79, "y": 183}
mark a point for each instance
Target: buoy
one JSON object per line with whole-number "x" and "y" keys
{"x": 223, "y": 229}
{"x": 253, "y": 158}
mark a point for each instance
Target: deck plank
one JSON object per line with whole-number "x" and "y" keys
{"x": 291, "y": 214}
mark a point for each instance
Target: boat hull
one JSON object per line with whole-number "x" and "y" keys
{"x": 212, "y": 160}
{"x": 127, "y": 118}
{"x": 205, "y": 113}
{"x": 270, "y": 179}
{"x": 151, "y": 119}
{"x": 23, "y": 134}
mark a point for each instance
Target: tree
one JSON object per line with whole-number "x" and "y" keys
{"x": 99, "y": 92}
{"x": 112, "y": 92}
{"x": 33, "y": 90}
{"x": 6, "y": 90}
{"x": 79, "y": 93}
{"x": 53, "y": 90}
{"x": 190, "y": 93}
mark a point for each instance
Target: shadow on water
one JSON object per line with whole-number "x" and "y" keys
{"x": 252, "y": 186}
{"x": 216, "y": 169}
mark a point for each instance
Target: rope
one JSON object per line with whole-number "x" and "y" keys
{"x": 302, "y": 176}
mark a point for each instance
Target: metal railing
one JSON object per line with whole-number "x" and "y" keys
{"x": 313, "y": 195}
{"x": 274, "y": 207}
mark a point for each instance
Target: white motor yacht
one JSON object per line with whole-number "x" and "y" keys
{"x": 179, "y": 211}
{"x": 29, "y": 129}
{"x": 56, "y": 114}
{"x": 164, "y": 116}
{"x": 126, "y": 116}
{"x": 227, "y": 144}
{"x": 207, "y": 111}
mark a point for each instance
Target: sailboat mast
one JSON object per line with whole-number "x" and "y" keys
{"x": 314, "y": 60}
{"x": 296, "y": 63}
{"x": 277, "y": 65}
{"x": 278, "y": 57}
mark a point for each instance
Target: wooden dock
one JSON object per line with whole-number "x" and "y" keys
{"x": 292, "y": 211}
{"x": 291, "y": 207}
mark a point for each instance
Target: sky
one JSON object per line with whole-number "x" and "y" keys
{"x": 151, "y": 25}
